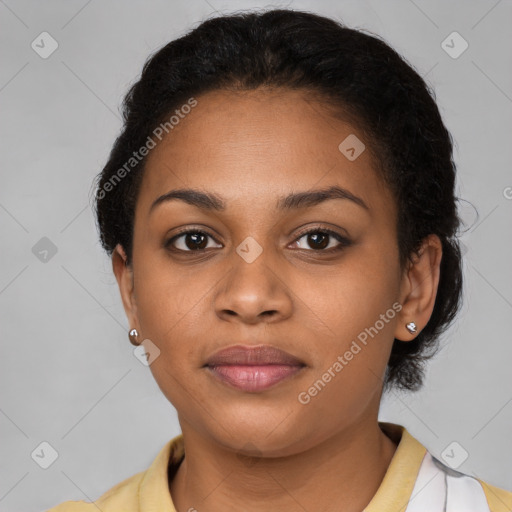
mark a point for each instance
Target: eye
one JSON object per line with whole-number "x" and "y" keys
{"x": 191, "y": 240}
{"x": 322, "y": 240}
{"x": 316, "y": 239}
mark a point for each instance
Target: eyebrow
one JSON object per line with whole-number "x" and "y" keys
{"x": 296, "y": 200}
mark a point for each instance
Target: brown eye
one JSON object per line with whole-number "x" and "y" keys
{"x": 189, "y": 241}
{"x": 321, "y": 240}
{"x": 318, "y": 240}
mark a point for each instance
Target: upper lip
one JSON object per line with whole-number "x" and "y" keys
{"x": 252, "y": 355}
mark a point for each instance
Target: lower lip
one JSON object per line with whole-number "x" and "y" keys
{"x": 253, "y": 378}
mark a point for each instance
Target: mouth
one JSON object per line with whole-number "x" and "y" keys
{"x": 253, "y": 368}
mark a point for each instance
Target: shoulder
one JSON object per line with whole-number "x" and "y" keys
{"x": 459, "y": 491}
{"x": 147, "y": 490}
{"x": 425, "y": 483}
{"x": 123, "y": 496}
{"x": 499, "y": 500}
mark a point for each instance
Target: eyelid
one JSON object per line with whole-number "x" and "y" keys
{"x": 323, "y": 229}
{"x": 193, "y": 229}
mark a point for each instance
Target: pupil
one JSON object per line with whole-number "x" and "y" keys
{"x": 320, "y": 240}
{"x": 197, "y": 243}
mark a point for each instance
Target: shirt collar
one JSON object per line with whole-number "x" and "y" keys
{"x": 396, "y": 487}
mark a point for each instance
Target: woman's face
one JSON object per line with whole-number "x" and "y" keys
{"x": 253, "y": 277}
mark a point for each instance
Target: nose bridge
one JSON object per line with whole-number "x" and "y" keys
{"x": 252, "y": 286}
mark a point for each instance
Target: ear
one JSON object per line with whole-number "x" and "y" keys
{"x": 124, "y": 276}
{"x": 418, "y": 289}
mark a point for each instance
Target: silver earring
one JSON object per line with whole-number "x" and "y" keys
{"x": 411, "y": 327}
{"x": 133, "y": 334}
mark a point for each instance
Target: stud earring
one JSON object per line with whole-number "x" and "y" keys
{"x": 411, "y": 327}
{"x": 133, "y": 334}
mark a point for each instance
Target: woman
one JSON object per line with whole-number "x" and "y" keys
{"x": 281, "y": 217}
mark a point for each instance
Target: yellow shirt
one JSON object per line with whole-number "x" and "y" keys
{"x": 414, "y": 482}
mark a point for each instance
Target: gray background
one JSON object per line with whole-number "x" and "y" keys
{"x": 68, "y": 374}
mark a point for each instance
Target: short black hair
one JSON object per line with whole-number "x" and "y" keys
{"x": 360, "y": 77}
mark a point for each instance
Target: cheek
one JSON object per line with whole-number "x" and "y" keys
{"x": 354, "y": 295}
{"x": 170, "y": 299}
{"x": 174, "y": 306}
{"x": 351, "y": 358}
{"x": 355, "y": 305}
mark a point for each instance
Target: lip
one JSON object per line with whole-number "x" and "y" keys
{"x": 253, "y": 356}
{"x": 253, "y": 368}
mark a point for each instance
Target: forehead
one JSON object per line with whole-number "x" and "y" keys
{"x": 256, "y": 144}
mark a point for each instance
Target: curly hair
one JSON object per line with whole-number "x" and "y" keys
{"x": 363, "y": 79}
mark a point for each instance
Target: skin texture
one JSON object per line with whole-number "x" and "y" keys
{"x": 266, "y": 450}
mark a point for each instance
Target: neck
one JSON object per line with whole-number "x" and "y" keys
{"x": 347, "y": 468}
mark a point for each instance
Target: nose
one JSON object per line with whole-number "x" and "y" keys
{"x": 254, "y": 292}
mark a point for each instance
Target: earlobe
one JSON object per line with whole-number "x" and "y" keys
{"x": 419, "y": 289}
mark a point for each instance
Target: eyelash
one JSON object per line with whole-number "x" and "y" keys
{"x": 343, "y": 241}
